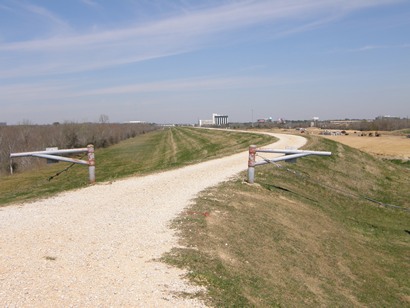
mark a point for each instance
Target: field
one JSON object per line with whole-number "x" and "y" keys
{"x": 387, "y": 145}
{"x": 151, "y": 152}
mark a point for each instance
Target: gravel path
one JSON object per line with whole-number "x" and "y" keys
{"x": 97, "y": 246}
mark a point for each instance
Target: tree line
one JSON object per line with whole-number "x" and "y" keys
{"x": 378, "y": 124}
{"x": 27, "y": 138}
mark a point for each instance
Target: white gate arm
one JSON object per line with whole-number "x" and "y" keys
{"x": 290, "y": 155}
{"x": 54, "y": 155}
{"x": 62, "y": 158}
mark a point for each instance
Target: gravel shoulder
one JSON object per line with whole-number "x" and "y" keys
{"x": 98, "y": 246}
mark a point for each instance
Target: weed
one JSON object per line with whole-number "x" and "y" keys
{"x": 48, "y": 258}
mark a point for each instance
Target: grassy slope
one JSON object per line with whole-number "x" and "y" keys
{"x": 303, "y": 239}
{"x": 155, "y": 151}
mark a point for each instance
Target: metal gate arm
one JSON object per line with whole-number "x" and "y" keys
{"x": 265, "y": 150}
{"x": 64, "y": 151}
{"x": 62, "y": 158}
{"x": 282, "y": 158}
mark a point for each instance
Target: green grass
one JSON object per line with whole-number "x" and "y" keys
{"x": 152, "y": 152}
{"x": 400, "y": 162}
{"x": 405, "y": 131}
{"x": 303, "y": 238}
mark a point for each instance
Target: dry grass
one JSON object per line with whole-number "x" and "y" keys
{"x": 387, "y": 145}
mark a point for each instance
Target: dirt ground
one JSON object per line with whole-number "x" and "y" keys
{"x": 386, "y": 145}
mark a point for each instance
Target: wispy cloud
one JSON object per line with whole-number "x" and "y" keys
{"x": 33, "y": 91}
{"x": 192, "y": 84}
{"x": 54, "y": 90}
{"x": 41, "y": 11}
{"x": 375, "y": 47}
{"x": 191, "y": 30}
{"x": 5, "y": 8}
{"x": 90, "y": 3}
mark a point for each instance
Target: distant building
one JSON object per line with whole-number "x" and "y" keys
{"x": 217, "y": 119}
{"x": 3, "y": 124}
{"x": 314, "y": 122}
{"x": 387, "y": 117}
{"x": 205, "y": 122}
{"x": 265, "y": 120}
{"x": 344, "y": 122}
{"x": 220, "y": 119}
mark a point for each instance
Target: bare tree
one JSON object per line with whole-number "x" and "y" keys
{"x": 104, "y": 119}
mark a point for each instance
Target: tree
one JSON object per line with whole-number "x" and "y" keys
{"x": 104, "y": 119}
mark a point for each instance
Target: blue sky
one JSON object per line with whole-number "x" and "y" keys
{"x": 177, "y": 61}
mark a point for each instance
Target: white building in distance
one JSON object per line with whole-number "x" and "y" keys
{"x": 217, "y": 119}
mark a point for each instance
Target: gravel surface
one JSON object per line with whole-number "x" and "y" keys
{"x": 97, "y": 246}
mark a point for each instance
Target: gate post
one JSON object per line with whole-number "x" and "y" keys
{"x": 91, "y": 163}
{"x": 251, "y": 164}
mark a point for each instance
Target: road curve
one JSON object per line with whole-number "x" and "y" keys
{"x": 97, "y": 246}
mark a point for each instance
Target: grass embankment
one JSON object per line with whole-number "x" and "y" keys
{"x": 155, "y": 151}
{"x": 303, "y": 239}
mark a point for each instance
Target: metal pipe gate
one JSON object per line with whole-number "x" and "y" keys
{"x": 290, "y": 156}
{"x": 53, "y": 155}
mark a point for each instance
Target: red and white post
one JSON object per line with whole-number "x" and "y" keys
{"x": 251, "y": 164}
{"x": 91, "y": 163}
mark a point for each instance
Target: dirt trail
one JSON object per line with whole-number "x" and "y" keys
{"x": 97, "y": 246}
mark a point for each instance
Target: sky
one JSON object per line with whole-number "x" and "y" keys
{"x": 178, "y": 61}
